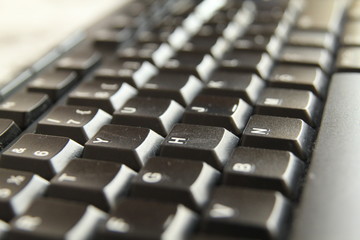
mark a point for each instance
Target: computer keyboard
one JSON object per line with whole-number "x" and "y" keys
{"x": 193, "y": 119}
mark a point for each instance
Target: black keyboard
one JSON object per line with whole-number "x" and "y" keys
{"x": 174, "y": 120}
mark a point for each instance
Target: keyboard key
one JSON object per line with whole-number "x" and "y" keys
{"x": 246, "y": 86}
{"x": 106, "y": 95}
{"x": 56, "y": 219}
{"x": 110, "y": 39}
{"x": 290, "y": 103}
{"x": 228, "y": 112}
{"x": 41, "y": 154}
{"x": 350, "y": 36}
{"x": 248, "y": 61}
{"x": 143, "y": 52}
{"x": 77, "y": 123}
{"x": 131, "y": 146}
{"x": 163, "y": 221}
{"x": 280, "y": 133}
{"x": 258, "y": 42}
{"x": 158, "y": 114}
{"x": 212, "y": 145}
{"x": 24, "y": 108}
{"x": 175, "y": 180}
{"x": 8, "y": 132}
{"x": 312, "y": 39}
{"x": 347, "y": 60}
{"x": 17, "y": 191}
{"x": 309, "y": 56}
{"x": 264, "y": 169}
{"x": 96, "y": 182}
{"x": 4, "y": 228}
{"x": 54, "y": 84}
{"x": 180, "y": 87}
{"x": 300, "y": 77}
{"x": 246, "y": 213}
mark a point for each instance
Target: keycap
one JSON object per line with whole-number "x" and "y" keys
{"x": 290, "y": 103}
{"x": 135, "y": 73}
{"x": 246, "y": 86}
{"x": 106, "y": 95}
{"x": 347, "y": 60}
{"x": 54, "y": 84}
{"x": 248, "y": 61}
{"x": 200, "y": 44}
{"x": 144, "y": 219}
{"x": 205, "y": 143}
{"x": 246, "y": 213}
{"x": 259, "y": 42}
{"x": 131, "y": 146}
{"x": 300, "y": 77}
{"x": 158, "y": 114}
{"x": 308, "y": 56}
{"x": 77, "y": 123}
{"x": 52, "y": 219}
{"x": 180, "y": 87}
{"x": 193, "y": 63}
{"x": 41, "y": 154}
{"x": 279, "y": 133}
{"x": 279, "y": 29}
{"x": 318, "y": 39}
{"x": 176, "y": 180}
{"x": 24, "y": 108}
{"x": 212, "y": 29}
{"x": 95, "y": 182}
{"x": 8, "y": 131}
{"x": 110, "y": 39}
{"x": 350, "y": 36}
{"x": 139, "y": 52}
{"x": 264, "y": 169}
{"x": 336, "y": 152}
{"x": 80, "y": 61}
{"x": 17, "y": 191}
{"x": 228, "y": 112}
{"x": 4, "y": 228}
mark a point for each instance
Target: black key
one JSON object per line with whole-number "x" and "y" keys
{"x": 246, "y": 86}
{"x": 24, "y": 108}
{"x": 264, "y": 43}
{"x": 200, "y": 44}
{"x": 135, "y": 73}
{"x": 96, "y": 182}
{"x": 280, "y": 29}
{"x": 246, "y": 213}
{"x": 180, "y": 87}
{"x": 8, "y": 131}
{"x": 228, "y": 112}
{"x": 212, "y": 29}
{"x": 148, "y": 220}
{"x": 80, "y": 61}
{"x": 106, "y": 95}
{"x": 290, "y": 103}
{"x": 41, "y": 154}
{"x": 212, "y": 145}
{"x": 158, "y": 114}
{"x": 264, "y": 169}
{"x": 132, "y": 146}
{"x": 310, "y": 56}
{"x": 312, "y": 39}
{"x": 348, "y": 59}
{"x": 197, "y": 64}
{"x": 143, "y": 52}
{"x": 78, "y": 123}
{"x": 175, "y": 180}
{"x": 279, "y": 133}
{"x": 17, "y": 191}
{"x": 110, "y": 39}
{"x": 300, "y": 77}
{"x": 54, "y": 84}
{"x": 249, "y": 61}
{"x": 54, "y": 219}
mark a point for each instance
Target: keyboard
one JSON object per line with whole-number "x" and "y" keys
{"x": 193, "y": 119}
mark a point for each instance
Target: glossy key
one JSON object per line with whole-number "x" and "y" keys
{"x": 143, "y": 219}
{"x": 229, "y": 112}
{"x": 131, "y": 146}
{"x": 212, "y": 145}
{"x": 264, "y": 169}
{"x": 176, "y": 180}
{"x": 245, "y": 213}
{"x": 319, "y": 39}
{"x": 280, "y": 133}
{"x": 54, "y": 219}
{"x": 290, "y": 103}
{"x": 347, "y": 60}
{"x": 24, "y": 108}
{"x": 17, "y": 191}
{"x": 106, "y": 95}
{"x": 8, "y": 131}
{"x": 98, "y": 183}
{"x": 155, "y": 113}
{"x": 77, "y": 123}
{"x": 41, "y": 154}
{"x": 258, "y": 42}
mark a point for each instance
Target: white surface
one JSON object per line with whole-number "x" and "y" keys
{"x": 31, "y": 28}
